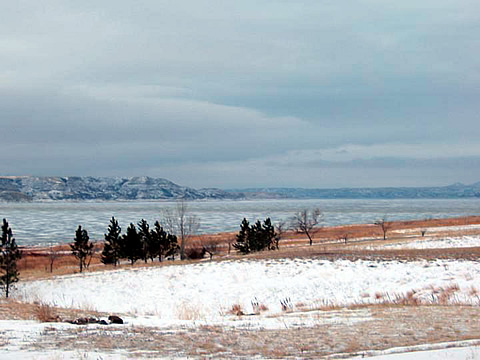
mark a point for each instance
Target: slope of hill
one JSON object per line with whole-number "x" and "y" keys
{"x": 36, "y": 188}
{"x": 32, "y": 188}
{"x": 441, "y": 192}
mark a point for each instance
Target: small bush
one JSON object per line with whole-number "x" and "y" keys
{"x": 195, "y": 253}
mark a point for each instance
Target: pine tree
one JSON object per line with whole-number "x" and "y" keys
{"x": 9, "y": 255}
{"x": 268, "y": 236}
{"x": 243, "y": 238}
{"x": 163, "y": 243}
{"x": 256, "y": 237}
{"x": 111, "y": 248}
{"x": 82, "y": 248}
{"x": 145, "y": 239}
{"x": 132, "y": 245}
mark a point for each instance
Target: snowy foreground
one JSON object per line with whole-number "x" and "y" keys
{"x": 283, "y": 293}
{"x": 208, "y": 291}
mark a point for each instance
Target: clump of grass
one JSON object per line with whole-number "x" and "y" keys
{"x": 286, "y": 305}
{"x": 258, "y": 307}
{"x": 45, "y": 313}
{"x": 236, "y": 310}
{"x": 189, "y": 312}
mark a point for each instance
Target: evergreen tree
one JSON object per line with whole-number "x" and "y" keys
{"x": 243, "y": 237}
{"x": 9, "y": 255}
{"x": 145, "y": 239}
{"x": 132, "y": 245}
{"x": 267, "y": 236}
{"x": 256, "y": 237}
{"x": 163, "y": 244}
{"x": 111, "y": 253}
{"x": 82, "y": 248}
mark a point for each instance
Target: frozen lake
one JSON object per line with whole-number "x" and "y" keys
{"x": 55, "y": 222}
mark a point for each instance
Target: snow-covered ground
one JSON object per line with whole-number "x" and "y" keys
{"x": 207, "y": 291}
{"x": 460, "y": 350}
{"x": 20, "y": 335}
{"x": 432, "y": 243}
{"x": 437, "y": 229}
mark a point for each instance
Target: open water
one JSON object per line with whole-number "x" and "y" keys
{"x": 46, "y": 223}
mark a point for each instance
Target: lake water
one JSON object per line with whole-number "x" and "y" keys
{"x": 56, "y": 222}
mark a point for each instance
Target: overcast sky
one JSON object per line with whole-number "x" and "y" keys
{"x": 243, "y": 93}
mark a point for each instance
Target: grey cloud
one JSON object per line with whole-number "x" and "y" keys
{"x": 116, "y": 87}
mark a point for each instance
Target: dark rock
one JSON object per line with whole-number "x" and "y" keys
{"x": 80, "y": 321}
{"x": 115, "y": 319}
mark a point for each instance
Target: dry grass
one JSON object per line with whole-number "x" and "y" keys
{"x": 187, "y": 311}
{"x": 46, "y": 313}
{"x": 386, "y": 327}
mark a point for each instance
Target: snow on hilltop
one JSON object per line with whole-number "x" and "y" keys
{"x": 25, "y": 188}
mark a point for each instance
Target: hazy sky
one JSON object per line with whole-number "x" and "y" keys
{"x": 242, "y": 93}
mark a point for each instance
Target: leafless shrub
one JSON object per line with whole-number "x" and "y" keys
{"x": 194, "y": 253}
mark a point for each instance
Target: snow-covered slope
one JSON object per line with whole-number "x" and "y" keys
{"x": 209, "y": 290}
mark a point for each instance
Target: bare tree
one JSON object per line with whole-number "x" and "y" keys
{"x": 181, "y": 223}
{"x": 280, "y": 230}
{"x": 345, "y": 237}
{"x": 384, "y": 225}
{"x": 306, "y": 222}
{"x": 53, "y": 255}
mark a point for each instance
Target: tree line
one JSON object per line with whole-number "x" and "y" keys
{"x": 164, "y": 240}
{"x": 140, "y": 242}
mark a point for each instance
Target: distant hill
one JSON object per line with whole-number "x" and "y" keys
{"x": 35, "y": 188}
{"x": 454, "y": 191}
